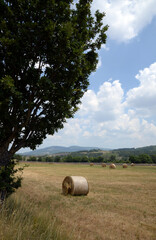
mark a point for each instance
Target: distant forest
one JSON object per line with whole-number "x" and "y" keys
{"x": 126, "y": 152}
{"x": 125, "y": 155}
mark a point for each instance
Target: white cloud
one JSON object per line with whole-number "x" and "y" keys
{"x": 104, "y": 46}
{"x": 99, "y": 63}
{"x": 89, "y": 103}
{"x": 69, "y": 135}
{"x": 143, "y": 97}
{"x": 106, "y": 104}
{"x": 126, "y": 18}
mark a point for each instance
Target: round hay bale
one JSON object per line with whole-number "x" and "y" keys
{"x": 103, "y": 165}
{"x": 91, "y": 164}
{"x": 112, "y": 166}
{"x": 75, "y": 185}
{"x": 125, "y": 165}
{"x": 132, "y": 164}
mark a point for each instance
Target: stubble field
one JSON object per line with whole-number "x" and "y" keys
{"x": 121, "y": 204}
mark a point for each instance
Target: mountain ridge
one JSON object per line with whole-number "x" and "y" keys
{"x": 60, "y": 149}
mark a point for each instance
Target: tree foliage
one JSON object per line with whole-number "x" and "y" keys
{"x": 48, "y": 49}
{"x": 142, "y": 158}
{"x": 9, "y": 181}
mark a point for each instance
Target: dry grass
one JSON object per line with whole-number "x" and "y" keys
{"x": 120, "y": 204}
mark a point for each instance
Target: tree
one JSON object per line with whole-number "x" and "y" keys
{"x": 142, "y": 158}
{"x": 153, "y": 158}
{"x": 145, "y": 158}
{"x": 48, "y": 49}
{"x": 112, "y": 158}
{"x": 133, "y": 159}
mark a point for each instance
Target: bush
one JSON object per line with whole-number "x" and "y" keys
{"x": 9, "y": 181}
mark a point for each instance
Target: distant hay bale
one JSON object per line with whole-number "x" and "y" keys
{"x": 91, "y": 164}
{"x": 75, "y": 185}
{"x": 132, "y": 164}
{"x": 125, "y": 165}
{"x": 103, "y": 165}
{"x": 112, "y": 166}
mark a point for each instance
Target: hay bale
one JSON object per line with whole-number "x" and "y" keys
{"x": 132, "y": 164}
{"x": 125, "y": 165}
{"x": 91, "y": 164}
{"x": 103, "y": 165}
{"x": 75, "y": 185}
{"x": 112, "y": 166}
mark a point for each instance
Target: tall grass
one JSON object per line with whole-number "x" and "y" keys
{"x": 21, "y": 219}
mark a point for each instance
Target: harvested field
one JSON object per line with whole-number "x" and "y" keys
{"x": 121, "y": 204}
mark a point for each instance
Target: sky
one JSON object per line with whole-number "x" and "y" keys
{"x": 119, "y": 108}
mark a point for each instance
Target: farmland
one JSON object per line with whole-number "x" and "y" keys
{"x": 121, "y": 204}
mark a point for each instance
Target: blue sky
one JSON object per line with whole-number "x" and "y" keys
{"x": 119, "y": 108}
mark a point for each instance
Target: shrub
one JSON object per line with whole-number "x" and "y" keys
{"x": 9, "y": 180}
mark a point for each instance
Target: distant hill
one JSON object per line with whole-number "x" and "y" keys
{"x": 59, "y": 149}
{"x": 126, "y": 152}
{"x": 123, "y": 152}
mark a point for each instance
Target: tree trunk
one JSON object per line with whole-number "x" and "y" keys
{"x": 5, "y": 157}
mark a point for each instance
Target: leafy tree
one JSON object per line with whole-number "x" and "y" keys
{"x": 98, "y": 159}
{"x": 145, "y": 158}
{"x": 48, "y": 49}
{"x": 112, "y": 158}
{"x": 142, "y": 158}
{"x": 49, "y": 159}
{"x": 132, "y": 159}
{"x": 32, "y": 159}
{"x": 153, "y": 157}
{"x": 57, "y": 159}
{"x": 40, "y": 159}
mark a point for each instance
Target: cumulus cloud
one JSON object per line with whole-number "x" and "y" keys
{"x": 126, "y": 18}
{"x": 106, "y": 104}
{"x": 143, "y": 97}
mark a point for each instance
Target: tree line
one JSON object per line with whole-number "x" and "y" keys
{"x": 142, "y": 158}
{"x": 126, "y": 152}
